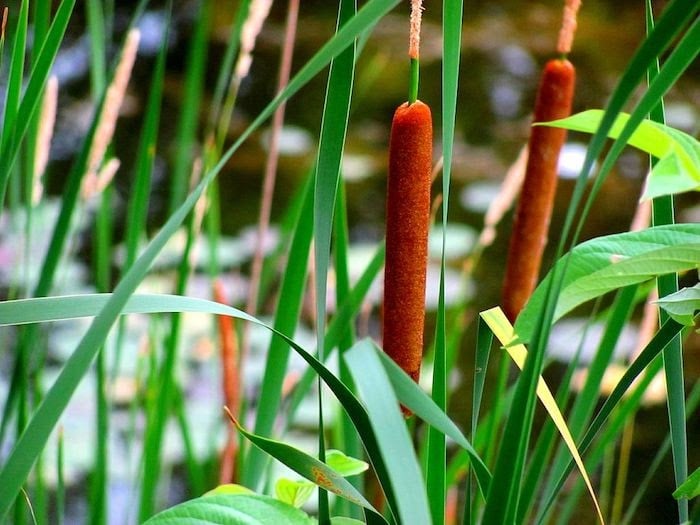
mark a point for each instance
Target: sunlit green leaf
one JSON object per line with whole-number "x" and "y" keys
{"x": 606, "y": 263}
{"x": 345, "y": 465}
{"x": 690, "y": 488}
{"x": 294, "y": 492}
{"x": 678, "y": 169}
{"x": 683, "y": 305}
{"x": 230, "y": 489}
{"x": 231, "y": 509}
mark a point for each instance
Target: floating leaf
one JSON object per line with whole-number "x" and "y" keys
{"x": 240, "y": 509}
{"x": 678, "y": 169}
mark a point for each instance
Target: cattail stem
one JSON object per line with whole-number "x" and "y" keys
{"x": 415, "y": 79}
{"x": 407, "y": 222}
{"x": 534, "y": 210}
{"x": 414, "y": 49}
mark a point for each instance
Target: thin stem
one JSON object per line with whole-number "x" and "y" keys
{"x": 271, "y": 166}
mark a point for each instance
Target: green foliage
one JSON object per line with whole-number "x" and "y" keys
{"x": 678, "y": 154}
{"x": 232, "y": 509}
{"x": 500, "y": 469}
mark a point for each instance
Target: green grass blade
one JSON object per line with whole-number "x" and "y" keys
{"x": 332, "y": 141}
{"x": 23, "y": 455}
{"x": 94, "y": 14}
{"x": 286, "y": 320}
{"x": 331, "y": 144}
{"x": 137, "y": 208}
{"x": 392, "y": 436}
{"x": 187, "y": 125}
{"x": 663, "y": 213}
{"x": 663, "y": 337}
{"x": 16, "y": 74}
{"x": 436, "y": 456}
{"x": 12, "y": 135}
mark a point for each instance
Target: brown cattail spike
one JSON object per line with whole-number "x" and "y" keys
{"x": 407, "y": 221}
{"x": 534, "y": 210}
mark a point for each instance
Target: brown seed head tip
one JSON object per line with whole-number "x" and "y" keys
{"x": 416, "y": 115}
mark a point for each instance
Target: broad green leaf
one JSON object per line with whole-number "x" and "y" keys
{"x": 345, "y": 465}
{"x": 683, "y": 305}
{"x": 503, "y": 330}
{"x": 678, "y": 169}
{"x": 690, "y": 487}
{"x": 606, "y": 263}
{"x": 307, "y": 466}
{"x": 241, "y": 509}
{"x": 343, "y": 520}
{"x": 231, "y": 489}
{"x": 294, "y": 492}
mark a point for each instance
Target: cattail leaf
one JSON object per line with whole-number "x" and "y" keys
{"x": 503, "y": 330}
{"x": 412, "y": 397}
{"x": 232, "y": 509}
{"x": 678, "y": 169}
{"x": 606, "y": 263}
{"x": 388, "y": 426}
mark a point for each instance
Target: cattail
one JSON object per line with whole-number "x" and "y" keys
{"x": 110, "y": 112}
{"x": 259, "y": 9}
{"x": 44, "y": 135}
{"x": 529, "y": 237}
{"x": 230, "y": 380}
{"x": 407, "y": 221}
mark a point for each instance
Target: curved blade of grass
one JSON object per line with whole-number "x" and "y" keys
{"x": 307, "y": 466}
{"x": 32, "y": 441}
{"x": 16, "y": 74}
{"x": 12, "y": 135}
{"x": 509, "y": 466}
{"x": 334, "y": 126}
{"x": 436, "y": 452}
{"x": 390, "y": 429}
{"x": 587, "y": 399}
{"x": 663, "y": 337}
{"x": 663, "y": 213}
{"x": 286, "y": 319}
{"x": 412, "y": 396}
{"x": 191, "y": 97}
{"x": 505, "y": 333}
{"x": 602, "y": 264}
